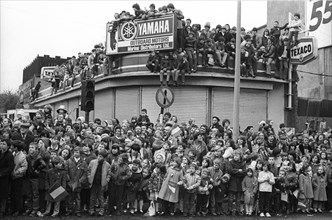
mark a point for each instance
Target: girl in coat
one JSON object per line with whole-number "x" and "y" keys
{"x": 55, "y": 178}
{"x": 155, "y": 182}
{"x": 305, "y": 187}
{"x": 319, "y": 184}
{"x": 249, "y": 187}
{"x": 169, "y": 192}
{"x": 133, "y": 184}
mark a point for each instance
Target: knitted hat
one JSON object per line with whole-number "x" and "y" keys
{"x": 137, "y": 162}
{"x": 207, "y": 24}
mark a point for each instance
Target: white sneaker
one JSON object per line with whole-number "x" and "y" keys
{"x": 268, "y": 215}
{"x": 262, "y": 214}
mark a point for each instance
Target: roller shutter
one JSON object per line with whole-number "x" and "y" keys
{"x": 126, "y": 103}
{"x": 253, "y": 105}
{"x": 104, "y": 104}
{"x": 190, "y": 102}
{"x": 149, "y": 102}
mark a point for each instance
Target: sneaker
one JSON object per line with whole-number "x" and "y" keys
{"x": 268, "y": 215}
{"x": 262, "y": 214}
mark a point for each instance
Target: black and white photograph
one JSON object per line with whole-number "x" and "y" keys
{"x": 183, "y": 109}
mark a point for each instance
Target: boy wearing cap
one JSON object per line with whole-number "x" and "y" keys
{"x": 98, "y": 176}
{"x": 76, "y": 168}
{"x": 191, "y": 182}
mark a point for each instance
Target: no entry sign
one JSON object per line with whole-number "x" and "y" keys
{"x": 164, "y": 97}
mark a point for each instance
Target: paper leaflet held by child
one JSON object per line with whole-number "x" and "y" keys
{"x": 59, "y": 194}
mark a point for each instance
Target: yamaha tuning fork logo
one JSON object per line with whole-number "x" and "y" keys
{"x": 128, "y": 30}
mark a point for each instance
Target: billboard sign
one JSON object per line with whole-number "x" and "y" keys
{"x": 46, "y": 72}
{"x": 141, "y": 35}
{"x": 319, "y": 21}
{"x": 305, "y": 51}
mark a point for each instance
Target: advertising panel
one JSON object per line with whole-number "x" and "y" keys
{"x": 140, "y": 35}
{"x": 305, "y": 51}
{"x": 319, "y": 21}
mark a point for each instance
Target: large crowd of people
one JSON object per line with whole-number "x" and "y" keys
{"x": 196, "y": 47}
{"x": 52, "y": 165}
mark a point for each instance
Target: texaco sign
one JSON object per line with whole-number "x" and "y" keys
{"x": 305, "y": 51}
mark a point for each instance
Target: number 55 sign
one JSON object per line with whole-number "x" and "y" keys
{"x": 319, "y": 21}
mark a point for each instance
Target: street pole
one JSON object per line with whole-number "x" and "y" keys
{"x": 87, "y": 116}
{"x": 236, "y": 101}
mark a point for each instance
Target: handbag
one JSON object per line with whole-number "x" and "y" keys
{"x": 152, "y": 210}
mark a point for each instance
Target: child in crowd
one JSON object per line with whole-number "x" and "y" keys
{"x": 165, "y": 68}
{"x": 191, "y": 182}
{"x": 305, "y": 189}
{"x": 294, "y": 28}
{"x": 56, "y": 177}
{"x": 249, "y": 187}
{"x": 203, "y": 192}
{"x": 266, "y": 181}
{"x": 319, "y": 183}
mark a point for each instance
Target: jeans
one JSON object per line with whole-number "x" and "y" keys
{"x": 189, "y": 202}
{"x": 202, "y": 201}
{"x": 264, "y": 201}
{"x": 97, "y": 193}
{"x": 33, "y": 195}
{"x": 17, "y": 198}
{"x": 115, "y": 196}
{"x": 74, "y": 202}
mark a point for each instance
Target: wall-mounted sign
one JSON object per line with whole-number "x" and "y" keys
{"x": 140, "y": 35}
{"x": 305, "y": 51}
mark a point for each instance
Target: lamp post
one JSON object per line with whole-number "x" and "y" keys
{"x": 236, "y": 101}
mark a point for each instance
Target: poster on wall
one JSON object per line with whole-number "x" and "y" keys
{"x": 140, "y": 35}
{"x": 319, "y": 21}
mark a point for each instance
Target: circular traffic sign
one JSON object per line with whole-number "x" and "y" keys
{"x": 164, "y": 97}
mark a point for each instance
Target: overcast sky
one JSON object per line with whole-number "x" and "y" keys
{"x": 64, "y": 28}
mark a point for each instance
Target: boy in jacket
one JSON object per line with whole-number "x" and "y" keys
{"x": 98, "y": 176}
{"x": 191, "y": 182}
{"x": 120, "y": 173}
{"x": 76, "y": 169}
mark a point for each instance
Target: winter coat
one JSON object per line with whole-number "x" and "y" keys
{"x": 120, "y": 173}
{"x": 305, "y": 187}
{"x": 77, "y": 173}
{"x": 204, "y": 186}
{"x": 170, "y": 189}
{"x": 235, "y": 182}
{"x": 155, "y": 182}
{"x": 133, "y": 184}
{"x": 6, "y": 168}
{"x": 249, "y": 187}
{"x": 319, "y": 183}
{"x": 55, "y": 178}
{"x": 34, "y": 162}
{"x": 21, "y": 165}
{"x": 193, "y": 181}
{"x": 105, "y": 173}
{"x": 291, "y": 181}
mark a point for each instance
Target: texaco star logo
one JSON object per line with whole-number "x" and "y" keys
{"x": 128, "y": 31}
{"x": 301, "y": 58}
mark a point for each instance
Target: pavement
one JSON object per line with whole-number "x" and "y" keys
{"x": 139, "y": 217}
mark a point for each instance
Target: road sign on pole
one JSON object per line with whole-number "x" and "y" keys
{"x": 164, "y": 97}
